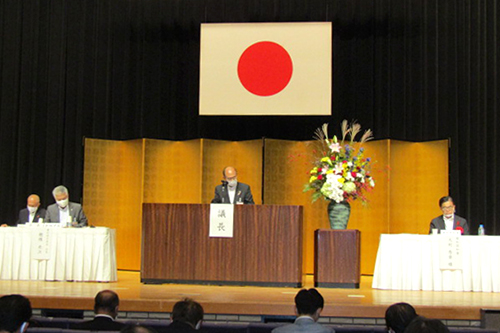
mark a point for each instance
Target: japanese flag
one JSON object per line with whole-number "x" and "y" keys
{"x": 266, "y": 68}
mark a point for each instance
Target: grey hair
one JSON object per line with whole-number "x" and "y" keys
{"x": 61, "y": 189}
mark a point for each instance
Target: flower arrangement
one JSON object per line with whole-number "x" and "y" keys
{"x": 340, "y": 172}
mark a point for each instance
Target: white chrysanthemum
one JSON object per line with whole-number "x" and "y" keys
{"x": 332, "y": 188}
{"x": 332, "y": 192}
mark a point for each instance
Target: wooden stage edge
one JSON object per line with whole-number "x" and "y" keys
{"x": 364, "y": 302}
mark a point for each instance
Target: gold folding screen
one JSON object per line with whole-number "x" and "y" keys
{"x": 419, "y": 177}
{"x": 120, "y": 176}
{"x": 172, "y": 171}
{"x": 113, "y": 192}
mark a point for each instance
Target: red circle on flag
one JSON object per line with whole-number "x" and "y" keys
{"x": 265, "y": 68}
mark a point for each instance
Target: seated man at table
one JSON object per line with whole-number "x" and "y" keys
{"x": 64, "y": 211}
{"x": 232, "y": 191}
{"x": 187, "y": 316}
{"x": 15, "y": 314}
{"x": 33, "y": 212}
{"x": 106, "y": 305}
{"x": 449, "y": 221}
{"x": 308, "y": 307}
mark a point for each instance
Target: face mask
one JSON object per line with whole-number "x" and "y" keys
{"x": 32, "y": 210}
{"x": 62, "y": 203}
{"x": 232, "y": 183}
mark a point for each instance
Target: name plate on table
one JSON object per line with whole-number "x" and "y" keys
{"x": 221, "y": 220}
{"x": 450, "y": 251}
{"x": 40, "y": 249}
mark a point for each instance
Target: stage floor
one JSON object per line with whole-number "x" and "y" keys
{"x": 364, "y": 302}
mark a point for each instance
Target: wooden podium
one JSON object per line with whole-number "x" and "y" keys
{"x": 266, "y": 248}
{"x": 337, "y": 258}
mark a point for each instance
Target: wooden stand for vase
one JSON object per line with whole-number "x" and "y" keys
{"x": 337, "y": 258}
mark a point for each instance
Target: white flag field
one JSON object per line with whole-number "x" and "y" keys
{"x": 266, "y": 68}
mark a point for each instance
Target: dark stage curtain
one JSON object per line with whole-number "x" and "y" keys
{"x": 121, "y": 69}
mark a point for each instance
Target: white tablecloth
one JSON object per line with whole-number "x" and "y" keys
{"x": 411, "y": 262}
{"x": 74, "y": 254}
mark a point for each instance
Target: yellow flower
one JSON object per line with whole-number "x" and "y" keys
{"x": 314, "y": 170}
{"x": 329, "y": 171}
{"x": 313, "y": 178}
{"x": 341, "y": 180}
{"x": 327, "y": 160}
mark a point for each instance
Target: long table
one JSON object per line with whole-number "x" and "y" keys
{"x": 412, "y": 262}
{"x": 68, "y": 254}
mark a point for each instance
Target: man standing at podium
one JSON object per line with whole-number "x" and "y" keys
{"x": 232, "y": 191}
{"x": 65, "y": 211}
{"x": 449, "y": 221}
{"x": 33, "y": 212}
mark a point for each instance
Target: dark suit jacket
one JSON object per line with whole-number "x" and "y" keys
{"x": 75, "y": 210}
{"x": 243, "y": 194}
{"x": 178, "y": 327}
{"x": 24, "y": 215}
{"x": 99, "y": 324}
{"x": 438, "y": 223}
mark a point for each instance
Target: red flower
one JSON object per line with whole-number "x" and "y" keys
{"x": 320, "y": 169}
{"x": 320, "y": 177}
{"x": 460, "y": 228}
{"x": 353, "y": 174}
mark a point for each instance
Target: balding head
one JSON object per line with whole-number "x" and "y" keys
{"x": 106, "y": 302}
{"x": 229, "y": 173}
{"x": 33, "y": 201}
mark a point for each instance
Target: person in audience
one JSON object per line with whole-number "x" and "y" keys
{"x": 423, "y": 325}
{"x": 449, "y": 221}
{"x": 308, "y": 307}
{"x": 232, "y": 191}
{"x": 106, "y": 305}
{"x": 64, "y": 211}
{"x": 137, "y": 329}
{"x": 398, "y": 316}
{"x": 33, "y": 211}
{"x": 186, "y": 316}
{"x": 15, "y": 314}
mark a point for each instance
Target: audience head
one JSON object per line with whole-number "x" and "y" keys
{"x": 424, "y": 325}
{"x": 61, "y": 196}
{"x": 398, "y": 316}
{"x": 33, "y": 202}
{"x": 137, "y": 329}
{"x": 188, "y": 311}
{"x": 15, "y": 313}
{"x": 106, "y": 302}
{"x": 309, "y": 302}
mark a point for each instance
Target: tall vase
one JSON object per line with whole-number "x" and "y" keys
{"x": 338, "y": 214}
